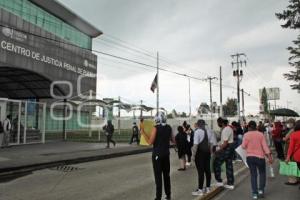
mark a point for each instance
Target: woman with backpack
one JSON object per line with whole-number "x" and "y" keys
{"x": 202, "y": 155}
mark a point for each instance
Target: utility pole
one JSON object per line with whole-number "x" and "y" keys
{"x": 238, "y": 74}
{"x": 119, "y": 116}
{"x": 190, "y": 101}
{"x": 211, "y": 106}
{"x": 141, "y": 114}
{"x": 243, "y": 103}
{"x": 157, "y": 89}
{"x": 221, "y": 93}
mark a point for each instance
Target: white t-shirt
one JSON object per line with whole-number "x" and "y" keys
{"x": 199, "y": 135}
{"x": 227, "y": 135}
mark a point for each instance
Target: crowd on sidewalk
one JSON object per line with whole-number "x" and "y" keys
{"x": 201, "y": 146}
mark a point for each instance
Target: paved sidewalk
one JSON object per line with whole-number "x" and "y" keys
{"x": 275, "y": 189}
{"x": 40, "y": 155}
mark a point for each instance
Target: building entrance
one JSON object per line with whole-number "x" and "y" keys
{"x": 27, "y": 121}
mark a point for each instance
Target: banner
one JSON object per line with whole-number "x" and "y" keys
{"x": 146, "y": 130}
{"x": 243, "y": 154}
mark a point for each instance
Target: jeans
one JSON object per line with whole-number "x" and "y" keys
{"x": 226, "y": 156}
{"x": 202, "y": 161}
{"x": 279, "y": 149}
{"x": 259, "y": 164}
{"x": 161, "y": 166}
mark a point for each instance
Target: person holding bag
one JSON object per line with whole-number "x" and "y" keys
{"x": 294, "y": 148}
{"x": 256, "y": 147}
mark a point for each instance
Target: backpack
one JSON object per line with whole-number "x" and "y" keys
{"x": 204, "y": 146}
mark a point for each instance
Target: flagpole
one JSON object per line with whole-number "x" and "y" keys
{"x": 157, "y": 89}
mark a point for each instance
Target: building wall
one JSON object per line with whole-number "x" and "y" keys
{"x": 39, "y": 17}
{"x": 26, "y": 46}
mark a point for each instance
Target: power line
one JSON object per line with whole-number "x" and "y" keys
{"x": 115, "y": 56}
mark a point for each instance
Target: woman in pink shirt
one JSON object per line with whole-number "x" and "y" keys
{"x": 256, "y": 147}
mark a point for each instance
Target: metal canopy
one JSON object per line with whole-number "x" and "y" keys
{"x": 18, "y": 83}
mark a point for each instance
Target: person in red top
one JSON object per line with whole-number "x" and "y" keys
{"x": 277, "y": 138}
{"x": 294, "y": 148}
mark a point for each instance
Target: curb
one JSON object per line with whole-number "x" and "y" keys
{"x": 219, "y": 190}
{"x": 7, "y": 173}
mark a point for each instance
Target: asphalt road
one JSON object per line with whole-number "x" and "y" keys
{"x": 129, "y": 177}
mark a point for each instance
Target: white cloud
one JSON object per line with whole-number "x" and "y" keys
{"x": 266, "y": 34}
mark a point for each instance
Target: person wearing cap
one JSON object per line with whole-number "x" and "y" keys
{"x": 135, "y": 134}
{"x": 290, "y": 125}
{"x": 224, "y": 153}
{"x": 201, "y": 156}
{"x": 160, "y": 138}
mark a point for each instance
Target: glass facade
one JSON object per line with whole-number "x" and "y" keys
{"x": 41, "y": 18}
{"x": 71, "y": 124}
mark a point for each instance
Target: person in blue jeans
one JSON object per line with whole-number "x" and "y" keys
{"x": 257, "y": 149}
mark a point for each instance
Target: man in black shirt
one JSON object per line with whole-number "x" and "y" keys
{"x": 135, "y": 134}
{"x": 109, "y": 131}
{"x": 160, "y": 138}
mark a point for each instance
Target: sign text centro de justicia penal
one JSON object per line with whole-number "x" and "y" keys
{"x": 26, "y": 52}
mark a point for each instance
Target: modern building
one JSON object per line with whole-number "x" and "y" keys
{"x": 46, "y": 55}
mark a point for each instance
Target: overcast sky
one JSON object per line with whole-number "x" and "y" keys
{"x": 195, "y": 37}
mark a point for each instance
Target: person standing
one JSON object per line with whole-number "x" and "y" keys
{"x": 201, "y": 156}
{"x": 190, "y": 138}
{"x": 160, "y": 138}
{"x": 294, "y": 148}
{"x": 109, "y": 131}
{"x": 290, "y": 125}
{"x": 182, "y": 146}
{"x": 224, "y": 153}
{"x": 7, "y": 130}
{"x": 135, "y": 134}
{"x": 1, "y": 134}
{"x": 277, "y": 139}
{"x": 256, "y": 147}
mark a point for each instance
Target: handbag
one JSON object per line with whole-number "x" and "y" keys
{"x": 290, "y": 169}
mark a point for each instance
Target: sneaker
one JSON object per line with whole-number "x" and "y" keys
{"x": 261, "y": 194}
{"x": 254, "y": 196}
{"x": 198, "y": 192}
{"x": 229, "y": 187}
{"x": 188, "y": 164}
{"x": 207, "y": 190}
{"x": 219, "y": 184}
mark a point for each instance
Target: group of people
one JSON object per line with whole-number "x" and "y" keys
{"x": 200, "y": 146}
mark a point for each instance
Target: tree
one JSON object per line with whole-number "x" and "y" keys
{"x": 264, "y": 101}
{"x": 170, "y": 116}
{"x": 183, "y": 115}
{"x": 230, "y": 108}
{"x": 291, "y": 16}
{"x": 174, "y": 113}
{"x": 203, "y": 109}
